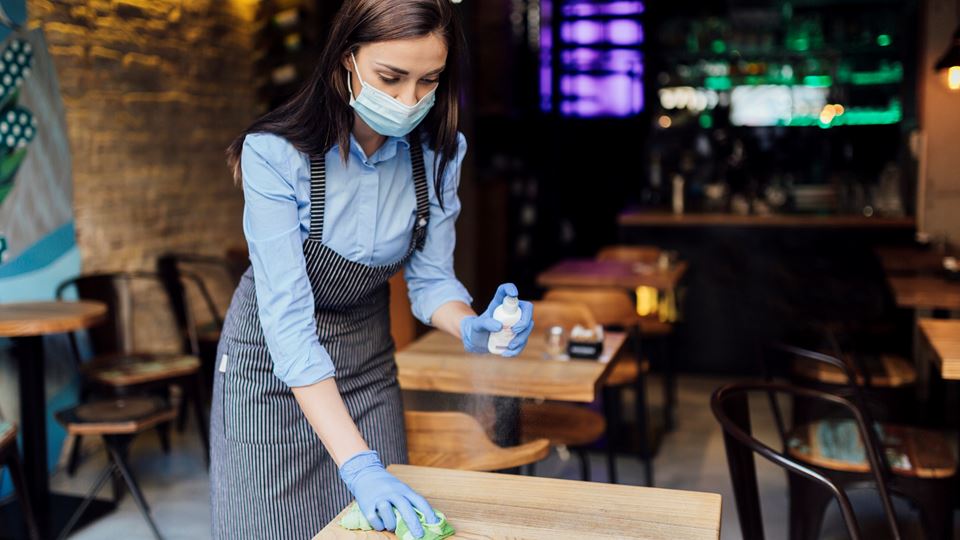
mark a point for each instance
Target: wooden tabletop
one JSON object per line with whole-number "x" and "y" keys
{"x": 41, "y": 318}
{"x": 667, "y": 219}
{"x": 593, "y": 273}
{"x": 943, "y": 336}
{"x": 910, "y": 259}
{"x": 437, "y": 362}
{"x": 925, "y": 291}
{"x": 500, "y": 506}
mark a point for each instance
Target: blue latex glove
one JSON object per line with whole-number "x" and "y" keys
{"x": 378, "y": 492}
{"x": 475, "y": 330}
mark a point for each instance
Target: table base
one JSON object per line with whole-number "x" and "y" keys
{"x": 61, "y": 508}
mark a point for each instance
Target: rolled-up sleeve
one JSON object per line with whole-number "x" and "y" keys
{"x": 271, "y": 225}
{"x": 429, "y": 273}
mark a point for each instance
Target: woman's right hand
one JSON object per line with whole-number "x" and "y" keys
{"x": 378, "y": 492}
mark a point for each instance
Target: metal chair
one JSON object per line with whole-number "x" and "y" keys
{"x": 10, "y": 458}
{"x": 730, "y": 407}
{"x": 915, "y": 463}
{"x": 118, "y": 369}
{"x": 183, "y": 271}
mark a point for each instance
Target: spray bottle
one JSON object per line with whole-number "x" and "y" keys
{"x": 508, "y": 314}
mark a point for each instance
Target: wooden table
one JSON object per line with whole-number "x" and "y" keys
{"x": 26, "y": 324}
{"x": 498, "y": 506}
{"x": 943, "y": 338}
{"x": 910, "y": 259}
{"x": 437, "y": 362}
{"x": 925, "y": 291}
{"x": 624, "y": 275}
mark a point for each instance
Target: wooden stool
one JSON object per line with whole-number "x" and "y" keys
{"x": 614, "y": 307}
{"x": 455, "y": 440}
{"x": 117, "y": 421}
{"x": 10, "y": 458}
{"x": 542, "y": 420}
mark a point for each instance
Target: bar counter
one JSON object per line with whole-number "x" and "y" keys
{"x": 660, "y": 218}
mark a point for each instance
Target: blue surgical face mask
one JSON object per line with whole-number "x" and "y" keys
{"x": 384, "y": 113}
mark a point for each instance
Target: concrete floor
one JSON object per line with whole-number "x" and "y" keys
{"x": 691, "y": 458}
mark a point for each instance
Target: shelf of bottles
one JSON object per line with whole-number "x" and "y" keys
{"x": 591, "y": 57}
{"x": 826, "y": 66}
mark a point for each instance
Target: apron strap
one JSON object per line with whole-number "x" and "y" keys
{"x": 423, "y": 192}
{"x": 318, "y": 194}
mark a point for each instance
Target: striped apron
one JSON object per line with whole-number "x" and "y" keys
{"x": 270, "y": 475}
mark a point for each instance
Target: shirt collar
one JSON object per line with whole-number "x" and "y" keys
{"x": 386, "y": 152}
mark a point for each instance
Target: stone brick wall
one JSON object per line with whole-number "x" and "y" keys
{"x": 154, "y": 91}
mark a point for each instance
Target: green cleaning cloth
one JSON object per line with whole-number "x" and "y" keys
{"x": 354, "y": 520}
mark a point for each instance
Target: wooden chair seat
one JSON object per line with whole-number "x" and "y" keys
{"x": 626, "y": 370}
{"x": 125, "y": 416}
{"x": 886, "y": 371}
{"x": 910, "y": 451}
{"x": 560, "y": 423}
{"x": 455, "y": 440}
{"x": 133, "y": 369}
{"x": 8, "y": 434}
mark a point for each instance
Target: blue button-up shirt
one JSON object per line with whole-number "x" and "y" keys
{"x": 369, "y": 218}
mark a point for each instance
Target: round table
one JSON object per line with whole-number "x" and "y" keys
{"x": 26, "y": 324}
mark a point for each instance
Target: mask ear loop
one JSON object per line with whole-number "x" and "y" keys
{"x": 356, "y": 70}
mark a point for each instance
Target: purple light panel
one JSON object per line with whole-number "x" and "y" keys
{"x": 604, "y": 95}
{"x": 546, "y": 53}
{"x": 588, "y": 32}
{"x": 594, "y": 81}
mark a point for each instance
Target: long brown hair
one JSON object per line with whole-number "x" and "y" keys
{"x": 319, "y": 114}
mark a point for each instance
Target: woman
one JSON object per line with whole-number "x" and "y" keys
{"x": 352, "y": 180}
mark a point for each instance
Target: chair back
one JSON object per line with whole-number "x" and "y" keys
{"x": 730, "y": 407}
{"x": 609, "y": 306}
{"x": 455, "y": 440}
{"x": 643, "y": 254}
{"x": 177, "y": 270}
{"x": 778, "y": 358}
{"x": 547, "y": 313}
{"x": 116, "y": 290}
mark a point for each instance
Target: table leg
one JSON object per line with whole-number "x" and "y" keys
{"x": 919, "y": 360}
{"x": 52, "y": 510}
{"x": 507, "y": 424}
{"x": 33, "y": 421}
